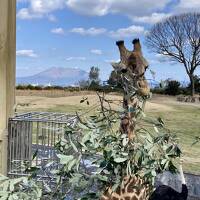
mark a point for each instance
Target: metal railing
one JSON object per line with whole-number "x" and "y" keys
{"x": 35, "y": 132}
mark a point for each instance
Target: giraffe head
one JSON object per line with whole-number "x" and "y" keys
{"x": 134, "y": 63}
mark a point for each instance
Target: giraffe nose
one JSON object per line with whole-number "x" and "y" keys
{"x": 124, "y": 70}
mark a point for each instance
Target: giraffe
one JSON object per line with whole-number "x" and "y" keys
{"x": 132, "y": 66}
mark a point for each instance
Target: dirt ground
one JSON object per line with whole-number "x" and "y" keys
{"x": 41, "y": 102}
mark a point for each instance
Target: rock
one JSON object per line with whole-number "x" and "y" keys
{"x": 189, "y": 99}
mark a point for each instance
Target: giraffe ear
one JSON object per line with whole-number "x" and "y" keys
{"x": 120, "y": 42}
{"x": 136, "y": 44}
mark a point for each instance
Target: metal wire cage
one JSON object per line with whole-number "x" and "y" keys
{"x": 35, "y": 132}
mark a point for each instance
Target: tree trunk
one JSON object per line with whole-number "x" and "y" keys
{"x": 192, "y": 88}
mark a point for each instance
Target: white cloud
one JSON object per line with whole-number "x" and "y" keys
{"x": 52, "y": 18}
{"x": 151, "y": 19}
{"x": 40, "y": 8}
{"x": 22, "y": 1}
{"x": 90, "y": 7}
{"x": 46, "y": 6}
{"x": 24, "y": 13}
{"x": 96, "y": 51}
{"x": 130, "y": 31}
{"x": 130, "y": 8}
{"x": 112, "y": 61}
{"x": 91, "y": 31}
{"x": 161, "y": 58}
{"x": 164, "y": 58}
{"x": 26, "y": 53}
{"x": 187, "y": 6}
{"x": 59, "y": 31}
{"x": 75, "y": 58}
{"x": 126, "y": 7}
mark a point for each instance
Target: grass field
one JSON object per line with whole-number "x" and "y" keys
{"x": 183, "y": 119}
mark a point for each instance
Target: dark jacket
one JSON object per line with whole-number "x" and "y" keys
{"x": 164, "y": 192}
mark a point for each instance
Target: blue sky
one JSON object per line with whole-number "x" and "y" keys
{"x": 82, "y": 33}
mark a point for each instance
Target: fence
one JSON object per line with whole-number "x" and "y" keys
{"x": 34, "y": 132}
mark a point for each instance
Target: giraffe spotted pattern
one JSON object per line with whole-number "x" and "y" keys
{"x": 132, "y": 188}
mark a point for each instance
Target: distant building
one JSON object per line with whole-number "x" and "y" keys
{"x": 34, "y": 85}
{"x": 48, "y": 85}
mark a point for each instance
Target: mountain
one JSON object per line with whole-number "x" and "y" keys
{"x": 55, "y": 76}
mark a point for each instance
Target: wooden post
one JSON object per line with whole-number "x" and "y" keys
{"x": 7, "y": 73}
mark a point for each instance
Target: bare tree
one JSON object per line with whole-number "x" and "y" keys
{"x": 178, "y": 37}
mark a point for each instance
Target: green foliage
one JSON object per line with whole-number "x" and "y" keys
{"x": 94, "y": 155}
{"x": 94, "y": 75}
{"x": 28, "y": 87}
{"x": 115, "y": 80}
{"x": 170, "y": 87}
{"x": 19, "y": 189}
{"x": 84, "y": 84}
{"x": 173, "y": 87}
{"x": 94, "y": 85}
{"x": 40, "y": 87}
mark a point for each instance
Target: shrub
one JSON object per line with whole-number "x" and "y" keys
{"x": 173, "y": 87}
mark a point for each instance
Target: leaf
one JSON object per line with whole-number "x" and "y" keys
{"x": 71, "y": 164}
{"x": 49, "y": 164}
{"x": 83, "y": 99}
{"x": 153, "y": 173}
{"x": 4, "y": 195}
{"x": 169, "y": 148}
{"x": 115, "y": 186}
{"x": 143, "y": 114}
{"x": 156, "y": 129}
{"x": 102, "y": 178}
{"x": 86, "y": 137}
{"x": 120, "y": 160}
{"x": 73, "y": 145}
{"x": 78, "y": 162}
{"x": 161, "y": 121}
{"x": 164, "y": 161}
{"x": 65, "y": 159}
{"x": 140, "y": 159}
{"x": 6, "y": 185}
{"x": 125, "y": 141}
{"x": 3, "y": 178}
{"x": 35, "y": 154}
{"x": 32, "y": 169}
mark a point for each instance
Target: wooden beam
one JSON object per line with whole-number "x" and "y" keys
{"x": 7, "y": 73}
